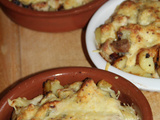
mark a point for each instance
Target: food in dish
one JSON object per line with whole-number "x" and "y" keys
{"x": 77, "y": 101}
{"x": 50, "y": 5}
{"x": 130, "y": 39}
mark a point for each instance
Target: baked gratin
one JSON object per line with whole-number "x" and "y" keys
{"x": 77, "y": 101}
{"x": 50, "y": 5}
{"x": 130, "y": 39}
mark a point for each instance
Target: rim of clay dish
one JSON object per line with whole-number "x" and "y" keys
{"x": 21, "y": 10}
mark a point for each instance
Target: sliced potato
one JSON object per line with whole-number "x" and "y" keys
{"x": 107, "y": 32}
{"x": 136, "y": 70}
{"x": 146, "y": 62}
{"x": 120, "y": 63}
{"x": 51, "y": 86}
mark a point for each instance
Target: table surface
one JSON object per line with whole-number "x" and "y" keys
{"x": 24, "y": 52}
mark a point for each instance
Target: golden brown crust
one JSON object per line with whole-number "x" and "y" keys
{"x": 89, "y": 102}
{"x": 54, "y": 5}
{"x": 134, "y": 26}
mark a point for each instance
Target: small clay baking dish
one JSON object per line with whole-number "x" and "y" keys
{"x": 32, "y": 87}
{"x": 57, "y": 21}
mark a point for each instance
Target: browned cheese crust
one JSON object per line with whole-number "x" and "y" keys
{"x": 78, "y": 101}
{"x": 129, "y": 35}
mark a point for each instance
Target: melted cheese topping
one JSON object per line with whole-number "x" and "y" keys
{"x": 54, "y": 5}
{"x": 81, "y": 101}
{"x": 138, "y": 21}
{"x": 140, "y": 37}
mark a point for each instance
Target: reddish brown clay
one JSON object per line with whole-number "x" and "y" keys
{"x": 32, "y": 87}
{"x": 59, "y": 21}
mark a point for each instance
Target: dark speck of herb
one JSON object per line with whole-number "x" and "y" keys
{"x": 147, "y": 55}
